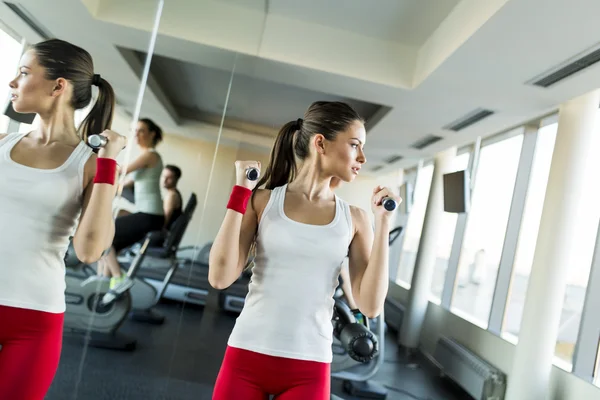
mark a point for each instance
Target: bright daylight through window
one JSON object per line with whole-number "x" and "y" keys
{"x": 486, "y": 227}
{"x": 415, "y": 225}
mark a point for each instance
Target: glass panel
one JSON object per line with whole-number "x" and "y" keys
{"x": 588, "y": 213}
{"x": 446, "y": 237}
{"x": 117, "y": 292}
{"x": 415, "y": 225}
{"x": 486, "y": 227}
{"x": 530, "y": 225}
{"x": 199, "y": 78}
{"x": 11, "y": 54}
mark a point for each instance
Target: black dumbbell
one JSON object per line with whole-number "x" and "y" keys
{"x": 389, "y": 203}
{"x": 252, "y": 173}
{"x": 97, "y": 141}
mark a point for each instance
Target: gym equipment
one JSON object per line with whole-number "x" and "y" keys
{"x": 169, "y": 273}
{"x": 86, "y": 314}
{"x": 189, "y": 279}
{"x": 389, "y": 203}
{"x": 97, "y": 141}
{"x": 146, "y": 296}
{"x": 358, "y": 351}
{"x": 85, "y": 290}
{"x": 252, "y": 173}
{"x": 356, "y": 338}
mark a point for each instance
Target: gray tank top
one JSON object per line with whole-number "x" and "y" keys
{"x": 146, "y": 186}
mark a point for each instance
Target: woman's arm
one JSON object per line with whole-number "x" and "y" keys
{"x": 369, "y": 256}
{"x": 347, "y": 287}
{"x": 229, "y": 252}
{"x": 96, "y": 227}
{"x": 145, "y": 160}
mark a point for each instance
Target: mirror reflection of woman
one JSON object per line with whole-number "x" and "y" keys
{"x": 51, "y": 184}
{"x": 144, "y": 174}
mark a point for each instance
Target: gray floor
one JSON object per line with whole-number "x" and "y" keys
{"x": 181, "y": 359}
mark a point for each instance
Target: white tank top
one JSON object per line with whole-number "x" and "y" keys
{"x": 39, "y": 210}
{"x": 288, "y": 309}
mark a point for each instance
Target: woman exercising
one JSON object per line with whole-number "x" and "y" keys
{"x": 145, "y": 175}
{"x": 281, "y": 342}
{"x": 51, "y": 184}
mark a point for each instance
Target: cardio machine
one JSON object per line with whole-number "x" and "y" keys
{"x": 85, "y": 311}
{"x": 358, "y": 349}
{"x": 145, "y": 295}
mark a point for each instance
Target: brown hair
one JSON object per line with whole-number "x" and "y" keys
{"x": 152, "y": 127}
{"x": 62, "y": 59}
{"x": 293, "y": 140}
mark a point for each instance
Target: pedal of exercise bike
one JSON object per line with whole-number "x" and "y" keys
{"x": 148, "y": 316}
{"x": 365, "y": 390}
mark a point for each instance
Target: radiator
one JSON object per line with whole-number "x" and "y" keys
{"x": 477, "y": 377}
{"x": 394, "y": 313}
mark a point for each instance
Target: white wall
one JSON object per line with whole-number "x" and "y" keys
{"x": 494, "y": 349}
{"x": 359, "y": 192}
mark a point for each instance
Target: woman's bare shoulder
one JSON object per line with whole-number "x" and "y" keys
{"x": 260, "y": 198}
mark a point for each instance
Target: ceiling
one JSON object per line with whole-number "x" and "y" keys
{"x": 258, "y": 105}
{"x": 414, "y": 67}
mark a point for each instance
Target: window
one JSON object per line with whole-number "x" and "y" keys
{"x": 25, "y": 128}
{"x": 530, "y": 225}
{"x": 446, "y": 236}
{"x": 415, "y": 225}
{"x": 486, "y": 227}
{"x": 588, "y": 215}
{"x": 11, "y": 53}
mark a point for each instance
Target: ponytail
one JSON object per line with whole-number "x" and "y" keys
{"x": 62, "y": 59}
{"x": 282, "y": 165}
{"x": 326, "y": 118}
{"x": 101, "y": 116}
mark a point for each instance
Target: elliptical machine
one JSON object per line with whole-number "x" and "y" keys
{"x": 358, "y": 349}
{"x": 358, "y": 353}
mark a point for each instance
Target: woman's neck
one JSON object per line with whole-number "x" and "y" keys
{"x": 312, "y": 184}
{"x": 57, "y": 126}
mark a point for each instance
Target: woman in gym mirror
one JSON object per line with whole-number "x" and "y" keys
{"x": 51, "y": 184}
{"x": 144, "y": 175}
{"x": 281, "y": 342}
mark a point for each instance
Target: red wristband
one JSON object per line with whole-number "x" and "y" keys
{"x": 238, "y": 200}
{"x": 106, "y": 170}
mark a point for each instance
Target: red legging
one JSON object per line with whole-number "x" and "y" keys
{"x": 31, "y": 343}
{"x": 253, "y": 376}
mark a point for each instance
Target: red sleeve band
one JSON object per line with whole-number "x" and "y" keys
{"x": 106, "y": 171}
{"x": 238, "y": 200}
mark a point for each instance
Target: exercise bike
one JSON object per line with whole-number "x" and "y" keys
{"x": 85, "y": 316}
